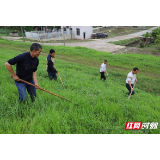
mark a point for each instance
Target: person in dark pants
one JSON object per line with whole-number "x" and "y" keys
{"x": 50, "y": 65}
{"x": 26, "y": 68}
{"x": 131, "y": 79}
{"x": 103, "y": 70}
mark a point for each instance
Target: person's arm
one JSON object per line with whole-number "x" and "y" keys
{"x": 129, "y": 82}
{"x": 50, "y": 65}
{"x": 10, "y": 69}
{"x": 136, "y": 80}
{"x": 11, "y": 62}
{"x": 35, "y": 79}
{"x": 104, "y": 70}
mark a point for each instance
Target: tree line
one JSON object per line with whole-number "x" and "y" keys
{"x": 29, "y": 28}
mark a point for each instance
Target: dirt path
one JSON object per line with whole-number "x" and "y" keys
{"x": 100, "y": 44}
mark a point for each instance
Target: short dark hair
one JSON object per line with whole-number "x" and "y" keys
{"x": 105, "y": 60}
{"x": 135, "y": 69}
{"x": 52, "y": 51}
{"x": 35, "y": 46}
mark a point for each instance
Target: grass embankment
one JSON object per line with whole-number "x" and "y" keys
{"x": 150, "y": 48}
{"x": 103, "y": 106}
{"x": 119, "y": 64}
{"x": 125, "y": 42}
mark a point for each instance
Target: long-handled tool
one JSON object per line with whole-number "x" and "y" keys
{"x": 131, "y": 91}
{"x": 60, "y": 78}
{"x": 42, "y": 89}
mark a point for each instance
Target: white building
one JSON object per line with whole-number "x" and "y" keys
{"x": 81, "y": 32}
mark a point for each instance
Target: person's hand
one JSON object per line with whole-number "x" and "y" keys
{"x": 57, "y": 72}
{"x": 15, "y": 77}
{"x": 37, "y": 85}
{"x": 136, "y": 80}
{"x": 131, "y": 89}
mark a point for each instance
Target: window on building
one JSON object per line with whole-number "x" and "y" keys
{"x": 78, "y": 31}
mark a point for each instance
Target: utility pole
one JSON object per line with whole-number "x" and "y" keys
{"x": 71, "y": 32}
{"x": 64, "y": 35}
{"x": 50, "y": 29}
{"x": 22, "y": 34}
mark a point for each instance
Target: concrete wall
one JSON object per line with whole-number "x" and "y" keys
{"x": 48, "y": 36}
{"x": 58, "y": 38}
{"x": 15, "y": 34}
{"x": 87, "y": 30}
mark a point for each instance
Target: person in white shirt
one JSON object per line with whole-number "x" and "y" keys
{"x": 103, "y": 70}
{"x": 131, "y": 79}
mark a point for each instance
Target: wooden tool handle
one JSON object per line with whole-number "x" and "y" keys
{"x": 60, "y": 78}
{"x": 131, "y": 91}
{"x": 42, "y": 89}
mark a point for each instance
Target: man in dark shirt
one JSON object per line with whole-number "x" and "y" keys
{"x": 26, "y": 67}
{"x": 50, "y": 65}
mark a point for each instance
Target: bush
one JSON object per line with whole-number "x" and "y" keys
{"x": 158, "y": 39}
{"x": 155, "y": 32}
{"x": 3, "y": 31}
{"x": 146, "y": 35}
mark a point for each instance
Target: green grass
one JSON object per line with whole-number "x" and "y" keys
{"x": 148, "y": 27}
{"x": 152, "y": 48}
{"x": 6, "y": 35}
{"x": 124, "y": 42}
{"x": 112, "y": 35}
{"x": 103, "y": 106}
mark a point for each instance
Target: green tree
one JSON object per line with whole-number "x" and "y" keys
{"x": 57, "y": 27}
{"x": 18, "y": 28}
{"x": 146, "y": 35}
{"x": 156, "y": 32}
{"x": 28, "y": 28}
{"x": 158, "y": 39}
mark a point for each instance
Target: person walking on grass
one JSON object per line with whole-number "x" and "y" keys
{"x": 131, "y": 79}
{"x": 26, "y": 67}
{"x": 50, "y": 65}
{"x": 103, "y": 70}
